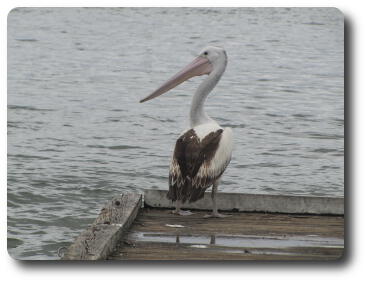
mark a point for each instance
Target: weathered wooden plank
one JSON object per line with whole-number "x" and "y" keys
{"x": 254, "y": 202}
{"x": 158, "y": 234}
{"x": 171, "y": 251}
{"x": 100, "y": 239}
{"x": 249, "y": 223}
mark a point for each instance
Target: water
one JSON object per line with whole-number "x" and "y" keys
{"x": 77, "y": 134}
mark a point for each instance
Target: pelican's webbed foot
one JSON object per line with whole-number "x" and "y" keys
{"x": 216, "y": 215}
{"x": 182, "y": 212}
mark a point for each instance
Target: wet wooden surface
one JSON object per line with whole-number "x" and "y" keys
{"x": 156, "y": 234}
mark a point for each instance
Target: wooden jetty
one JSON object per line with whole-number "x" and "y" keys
{"x": 258, "y": 227}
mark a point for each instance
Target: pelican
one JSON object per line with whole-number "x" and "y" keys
{"x": 202, "y": 152}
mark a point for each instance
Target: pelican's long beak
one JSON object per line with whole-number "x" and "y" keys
{"x": 200, "y": 66}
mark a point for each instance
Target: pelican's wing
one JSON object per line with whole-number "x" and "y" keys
{"x": 187, "y": 150}
{"x": 215, "y": 164}
{"x": 196, "y": 165}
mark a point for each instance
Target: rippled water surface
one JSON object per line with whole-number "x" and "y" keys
{"x": 77, "y": 134}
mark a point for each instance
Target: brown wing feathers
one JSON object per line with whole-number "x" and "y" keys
{"x": 190, "y": 154}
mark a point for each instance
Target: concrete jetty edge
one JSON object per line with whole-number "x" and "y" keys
{"x": 254, "y": 203}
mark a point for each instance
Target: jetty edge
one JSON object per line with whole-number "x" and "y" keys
{"x": 111, "y": 236}
{"x": 101, "y": 238}
{"x": 242, "y": 202}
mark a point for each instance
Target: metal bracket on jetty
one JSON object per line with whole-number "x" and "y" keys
{"x": 260, "y": 227}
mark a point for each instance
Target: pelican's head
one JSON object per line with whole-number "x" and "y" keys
{"x": 209, "y": 60}
{"x": 217, "y": 56}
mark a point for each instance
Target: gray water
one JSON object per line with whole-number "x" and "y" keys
{"x": 78, "y": 136}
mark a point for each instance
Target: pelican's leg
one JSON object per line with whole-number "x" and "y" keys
{"x": 178, "y": 210}
{"x": 215, "y": 212}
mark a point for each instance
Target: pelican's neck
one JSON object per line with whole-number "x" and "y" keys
{"x": 197, "y": 113}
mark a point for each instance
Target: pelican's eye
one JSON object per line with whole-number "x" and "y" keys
{"x": 206, "y": 53}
